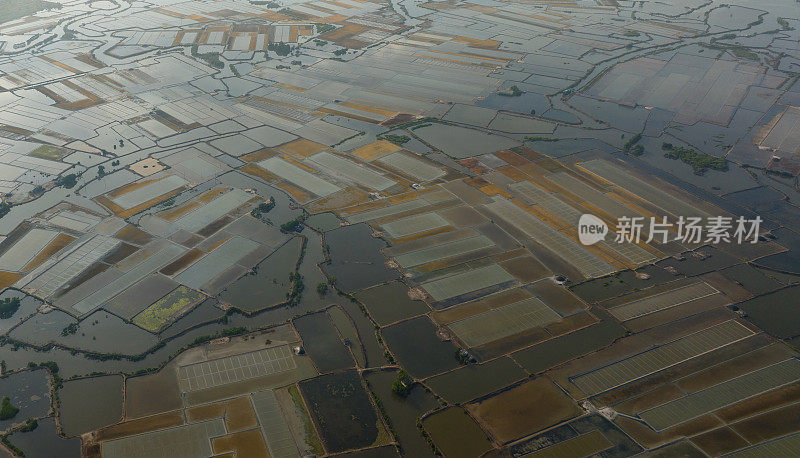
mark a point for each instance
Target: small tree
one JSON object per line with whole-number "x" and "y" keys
{"x": 402, "y": 384}
{"x": 7, "y": 411}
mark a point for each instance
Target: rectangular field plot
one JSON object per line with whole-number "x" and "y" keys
{"x": 149, "y": 191}
{"x": 591, "y": 195}
{"x": 298, "y": 176}
{"x": 778, "y": 448}
{"x": 444, "y": 251}
{"x": 273, "y": 425}
{"x": 414, "y": 225}
{"x": 188, "y": 441}
{"x": 729, "y": 392}
{"x": 126, "y": 280}
{"x": 534, "y": 195}
{"x": 161, "y": 312}
{"x": 412, "y": 166}
{"x": 662, "y": 301}
{"x": 50, "y": 276}
{"x": 504, "y": 321}
{"x": 568, "y": 215}
{"x": 230, "y": 369}
{"x": 214, "y": 263}
{"x": 650, "y": 193}
{"x": 212, "y": 211}
{"x": 351, "y": 170}
{"x": 566, "y": 248}
{"x": 386, "y": 211}
{"x": 465, "y": 282}
{"x": 584, "y": 445}
{"x": 16, "y": 257}
{"x": 784, "y": 136}
{"x": 659, "y": 358}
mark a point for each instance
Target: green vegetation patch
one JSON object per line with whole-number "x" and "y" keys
{"x": 4, "y": 209}
{"x": 398, "y": 140}
{"x": 163, "y": 310}
{"x": 53, "y": 153}
{"x": 68, "y": 181}
{"x": 8, "y": 307}
{"x": 7, "y": 411}
{"x": 699, "y": 161}
{"x": 632, "y": 146}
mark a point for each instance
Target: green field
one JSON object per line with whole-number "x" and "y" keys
{"x": 161, "y": 312}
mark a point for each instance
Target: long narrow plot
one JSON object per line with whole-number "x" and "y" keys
{"x": 298, "y": 176}
{"x": 662, "y": 301}
{"x": 339, "y": 166}
{"x": 214, "y": 263}
{"x": 126, "y": 280}
{"x": 584, "y": 445}
{"x": 503, "y": 321}
{"x": 414, "y": 225}
{"x": 566, "y": 248}
{"x": 465, "y": 282}
{"x": 149, "y": 191}
{"x": 16, "y": 257}
{"x": 273, "y": 425}
{"x": 570, "y": 216}
{"x": 389, "y": 210}
{"x": 444, "y": 251}
{"x": 650, "y": 193}
{"x": 212, "y": 211}
{"x": 591, "y": 195}
{"x": 412, "y": 166}
{"x": 718, "y": 396}
{"x": 778, "y": 448}
{"x": 46, "y": 279}
{"x": 660, "y": 358}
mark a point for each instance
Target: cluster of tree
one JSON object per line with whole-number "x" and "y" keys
{"x": 281, "y": 49}
{"x": 67, "y": 181}
{"x": 700, "y": 162}
{"x": 294, "y": 294}
{"x": 396, "y": 139}
{"x": 513, "y": 91}
{"x": 71, "y": 328}
{"x": 263, "y": 208}
{"x": 295, "y": 225}
{"x": 632, "y": 146}
{"x": 4, "y": 209}
{"x": 7, "y": 411}
{"x": 8, "y": 307}
{"x": 403, "y": 384}
{"x": 324, "y": 28}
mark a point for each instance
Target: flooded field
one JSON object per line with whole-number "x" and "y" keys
{"x": 404, "y": 412}
{"x": 90, "y": 403}
{"x": 28, "y": 391}
{"x": 419, "y": 349}
{"x": 360, "y": 228}
{"x": 340, "y": 393}
{"x": 391, "y": 303}
{"x": 322, "y": 342}
{"x": 356, "y": 261}
{"x": 455, "y": 433}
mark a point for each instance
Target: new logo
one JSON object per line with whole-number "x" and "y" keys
{"x": 591, "y": 229}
